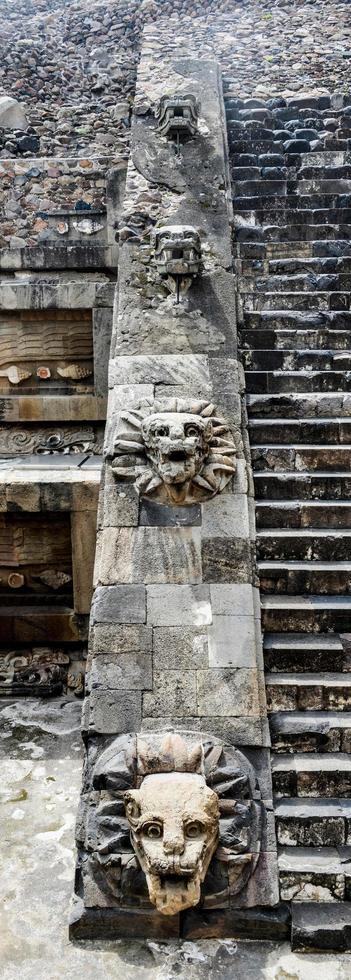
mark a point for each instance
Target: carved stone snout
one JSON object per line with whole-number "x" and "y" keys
{"x": 177, "y": 250}
{"x": 177, "y": 116}
{"x": 174, "y": 822}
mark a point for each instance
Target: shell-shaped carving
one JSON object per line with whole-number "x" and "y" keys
{"x": 74, "y": 371}
{"x": 15, "y": 580}
{"x": 54, "y": 579}
{"x": 15, "y": 374}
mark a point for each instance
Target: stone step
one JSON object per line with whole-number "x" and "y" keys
{"x": 306, "y": 653}
{"x": 308, "y": 692}
{"x": 255, "y": 252}
{"x": 323, "y": 184}
{"x": 313, "y": 823}
{"x": 289, "y": 485}
{"x": 282, "y": 431}
{"x": 254, "y": 262}
{"x": 289, "y": 235}
{"x": 308, "y": 405}
{"x": 314, "y": 320}
{"x": 298, "y": 210}
{"x": 320, "y": 927}
{"x": 296, "y": 283}
{"x": 318, "y": 176}
{"x": 301, "y": 456}
{"x": 295, "y": 209}
{"x": 315, "y": 774}
{"x": 295, "y": 360}
{"x": 260, "y": 187}
{"x": 314, "y": 544}
{"x": 310, "y": 731}
{"x": 317, "y": 265}
{"x": 319, "y": 874}
{"x": 286, "y": 381}
{"x": 326, "y": 158}
{"x": 297, "y": 340}
{"x": 272, "y": 142}
{"x": 305, "y": 577}
{"x": 317, "y": 232}
{"x": 301, "y": 513}
{"x": 301, "y": 613}
{"x": 296, "y": 301}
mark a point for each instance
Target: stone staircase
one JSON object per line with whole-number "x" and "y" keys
{"x": 291, "y": 174}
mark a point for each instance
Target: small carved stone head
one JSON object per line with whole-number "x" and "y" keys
{"x": 177, "y": 114}
{"x": 174, "y": 819}
{"x": 177, "y": 445}
{"x": 177, "y": 250}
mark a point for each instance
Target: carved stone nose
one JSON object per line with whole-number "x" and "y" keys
{"x": 173, "y": 841}
{"x": 176, "y": 431}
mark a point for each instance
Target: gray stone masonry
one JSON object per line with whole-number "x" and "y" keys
{"x": 175, "y": 636}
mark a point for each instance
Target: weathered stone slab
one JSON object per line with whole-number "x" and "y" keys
{"x": 111, "y": 712}
{"x": 153, "y": 514}
{"x": 228, "y": 693}
{"x": 242, "y": 600}
{"x": 183, "y": 605}
{"x": 115, "y": 639}
{"x": 119, "y": 604}
{"x": 227, "y": 560}
{"x": 317, "y": 926}
{"x": 129, "y": 671}
{"x": 174, "y": 694}
{"x": 235, "y": 731}
{"x": 150, "y": 555}
{"x": 119, "y": 506}
{"x": 232, "y": 641}
{"x": 160, "y": 369}
{"x": 180, "y": 648}
{"x": 225, "y": 516}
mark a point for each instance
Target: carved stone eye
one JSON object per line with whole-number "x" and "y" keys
{"x": 191, "y": 430}
{"x": 153, "y": 831}
{"x": 194, "y": 829}
{"x": 163, "y": 430}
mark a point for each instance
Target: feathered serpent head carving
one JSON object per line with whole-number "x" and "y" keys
{"x": 177, "y": 450}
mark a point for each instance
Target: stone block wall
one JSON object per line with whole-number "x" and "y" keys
{"x": 44, "y": 200}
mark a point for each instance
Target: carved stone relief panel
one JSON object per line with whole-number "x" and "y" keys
{"x": 50, "y": 439}
{"x": 177, "y": 820}
{"x": 36, "y": 558}
{"x": 44, "y": 351}
{"x": 177, "y": 451}
{"x": 42, "y": 671}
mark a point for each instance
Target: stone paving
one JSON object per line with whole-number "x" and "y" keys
{"x": 40, "y": 773}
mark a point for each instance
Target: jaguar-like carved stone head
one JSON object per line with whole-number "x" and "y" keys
{"x": 176, "y": 445}
{"x": 174, "y": 821}
{"x": 175, "y": 817}
{"x": 177, "y": 450}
